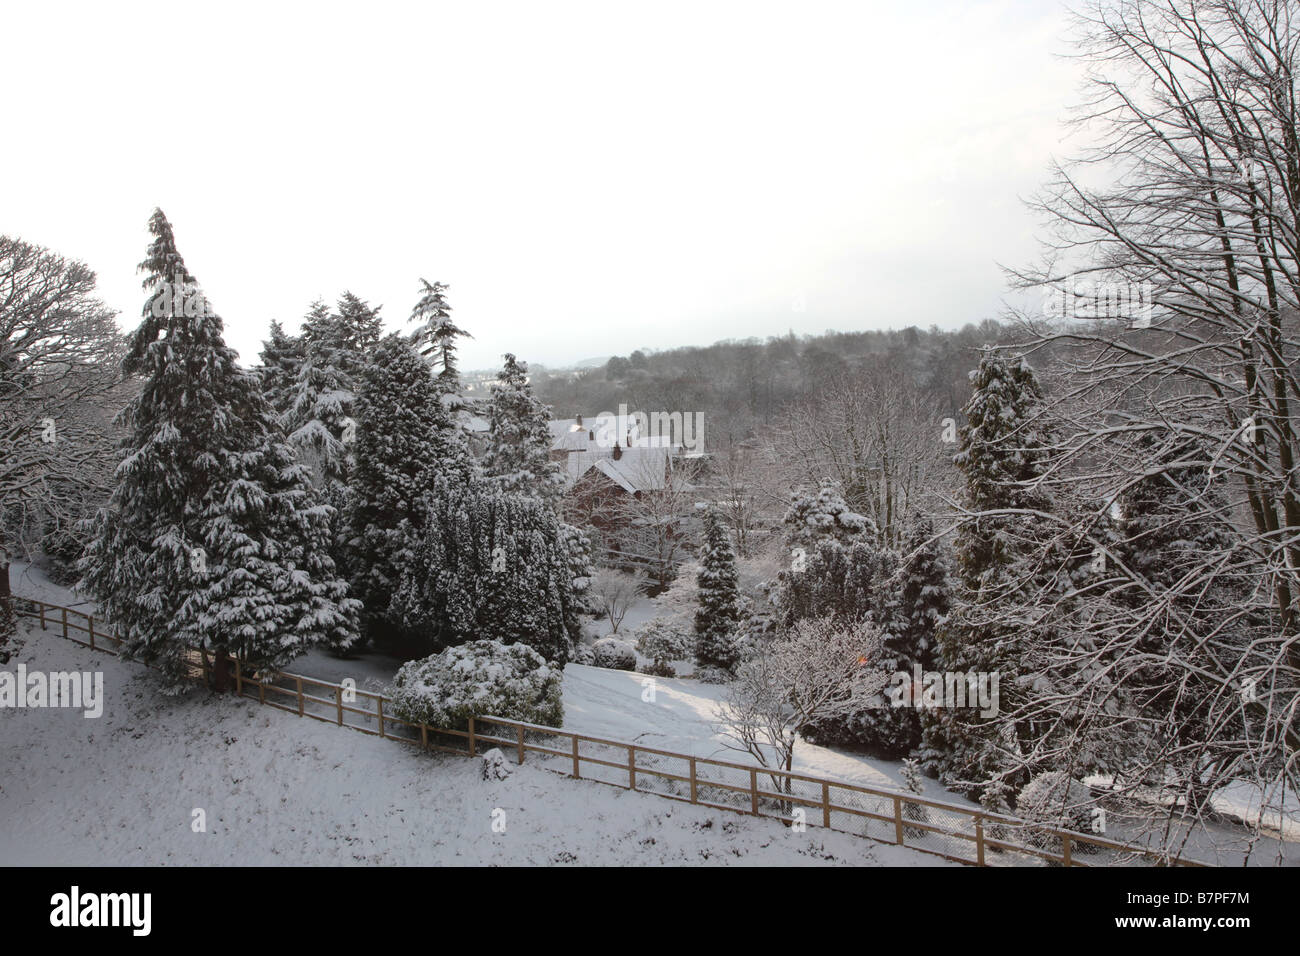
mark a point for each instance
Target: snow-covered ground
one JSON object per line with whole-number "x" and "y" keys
{"x": 681, "y": 716}
{"x": 277, "y": 789}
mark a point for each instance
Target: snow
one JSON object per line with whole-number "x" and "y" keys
{"x": 598, "y": 702}
{"x": 278, "y": 789}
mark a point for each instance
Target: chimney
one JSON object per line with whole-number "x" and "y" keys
{"x": 579, "y": 421}
{"x": 618, "y": 451}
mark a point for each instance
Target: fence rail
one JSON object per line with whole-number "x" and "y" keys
{"x": 946, "y": 830}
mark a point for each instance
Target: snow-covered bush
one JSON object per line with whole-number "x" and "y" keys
{"x": 664, "y": 641}
{"x": 583, "y": 654}
{"x": 482, "y": 677}
{"x": 494, "y": 765}
{"x": 1054, "y": 799}
{"x": 615, "y": 654}
{"x": 713, "y": 675}
{"x": 915, "y": 811}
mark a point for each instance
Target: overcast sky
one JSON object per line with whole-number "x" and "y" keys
{"x": 587, "y": 178}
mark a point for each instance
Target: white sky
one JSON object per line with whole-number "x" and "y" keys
{"x": 588, "y": 178}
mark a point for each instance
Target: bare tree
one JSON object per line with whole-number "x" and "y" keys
{"x": 1181, "y": 275}
{"x": 59, "y": 350}
{"x": 820, "y": 669}
{"x": 613, "y": 593}
{"x": 876, "y": 433}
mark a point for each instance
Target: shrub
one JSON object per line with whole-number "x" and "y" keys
{"x": 664, "y": 641}
{"x": 583, "y": 654}
{"x": 714, "y": 675}
{"x": 615, "y": 654}
{"x": 1054, "y": 799}
{"x": 482, "y": 677}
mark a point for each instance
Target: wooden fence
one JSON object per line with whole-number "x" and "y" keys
{"x": 948, "y": 830}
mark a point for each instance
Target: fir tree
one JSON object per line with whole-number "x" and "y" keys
{"x": 812, "y": 518}
{"x": 213, "y": 538}
{"x": 482, "y": 563}
{"x": 721, "y": 614}
{"x": 1171, "y": 530}
{"x": 402, "y": 446}
{"x": 282, "y": 357}
{"x": 436, "y": 334}
{"x": 518, "y": 459}
{"x": 1002, "y": 452}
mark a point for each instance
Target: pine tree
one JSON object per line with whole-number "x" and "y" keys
{"x": 519, "y": 444}
{"x": 213, "y": 538}
{"x": 405, "y": 441}
{"x": 812, "y": 518}
{"x": 721, "y": 614}
{"x": 1002, "y": 451}
{"x": 436, "y": 333}
{"x": 361, "y": 328}
{"x": 926, "y": 594}
{"x": 282, "y": 357}
{"x": 319, "y": 420}
{"x": 1171, "y": 530}
{"x": 486, "y": 564}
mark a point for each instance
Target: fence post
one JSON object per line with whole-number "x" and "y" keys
{"x": 261, "y": 688}
{"x": 41, "y": 608}
{"x": 520, "y": 728}
{"x": 471, "y": 736}
{"x": 694, "y": 797}
{"x": 898, "y": 821}
{"x": 298, "y": 681}
{"x": 424, "y": 736}
{"x": 65, "y": 622}
{"x": 826, "y": 805}
{"x": 577, "y": 773}
{"x": 979, "y": 840}
{"x": 631, "y": 768}
{"x": 239, "y": 679}
{"x": 1065, "y": 849}
{"x": 90, "y": 619}
{"x": 338, "y": 700}
{"x": 753, "y": 792}
{"x": 379, "y": 705}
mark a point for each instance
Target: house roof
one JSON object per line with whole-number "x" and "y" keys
{"x": 637, "y": 469}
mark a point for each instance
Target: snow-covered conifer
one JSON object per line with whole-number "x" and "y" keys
{"x": 213, "y": 538}
{"x": 721, "y": 615}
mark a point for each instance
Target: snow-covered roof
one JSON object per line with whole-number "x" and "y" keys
{"x": 637, "y": 469}
{"x": 568, "y": 435}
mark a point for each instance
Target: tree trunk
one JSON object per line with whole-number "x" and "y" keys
{"x": 221, "y": 672}
{"x": 8, "y": 621}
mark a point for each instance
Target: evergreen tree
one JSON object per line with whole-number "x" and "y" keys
{"x": 319, "y": 420}
{"x": 213, "y": 538}
{"x": 519, "y": 443}
{"x": 1172, "y": 528}
{"x": 361, "y": 328}
{"x": 485, "y": 564}
{"x": 282, "y": 357}
{"x": 926, "y": 594}
{"x": 721, "y": 614}
{"x": 1002, "y": 451}
{"x": 436, "y": 334}
{"x": 405, "y": 441}
{"x": 812, "y": 518}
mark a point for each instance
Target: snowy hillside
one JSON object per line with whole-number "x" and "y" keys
{"x": 276, "y": 789}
